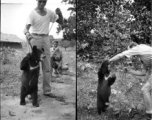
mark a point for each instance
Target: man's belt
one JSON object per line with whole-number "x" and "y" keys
{"x": 39, "y": 34}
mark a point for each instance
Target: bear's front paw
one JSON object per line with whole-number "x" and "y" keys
{"x": 22, "y": 103}
{"x": 36, "y": 105}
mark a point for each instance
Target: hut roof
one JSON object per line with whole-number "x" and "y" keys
{"x": 10, "y": 38}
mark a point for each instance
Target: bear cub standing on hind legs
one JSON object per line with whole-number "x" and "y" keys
{"x": 105, "y": 80}
{"x": 30, "y": 75}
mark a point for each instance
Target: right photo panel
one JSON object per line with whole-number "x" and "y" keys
{"x": 114, "y": 60}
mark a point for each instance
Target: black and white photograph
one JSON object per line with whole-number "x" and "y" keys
{"x": 38, "y": 60}
{"x": 76, "y": 60}
{"x": 114, "y": 60}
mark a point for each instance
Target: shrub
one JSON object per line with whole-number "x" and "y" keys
{"x": 6, "y": 52}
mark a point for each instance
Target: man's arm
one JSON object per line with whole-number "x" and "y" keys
{"x": 26, "y": 29}
{"x": 116, "y": 57}
{"x": 128, "y": 53}
{"x": 27, "y": 33}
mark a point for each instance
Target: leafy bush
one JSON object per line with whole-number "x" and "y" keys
{"x": 108, "y": 26}
{"x": 65, "y": 43}
{"x": 6, "y": 53}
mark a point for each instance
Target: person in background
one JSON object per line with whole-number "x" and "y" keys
{"x": 38, "y": 21}
{"x": 144, "y": 52}
{"x": 56, "y": 57}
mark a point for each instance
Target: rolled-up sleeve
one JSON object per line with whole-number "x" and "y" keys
{"x": 131, "y": 52}
{"x": 30, "y": 19}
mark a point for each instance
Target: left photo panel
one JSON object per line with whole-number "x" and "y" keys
{"x": 38, "y": 60}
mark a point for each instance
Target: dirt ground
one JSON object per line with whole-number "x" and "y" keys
{"x": 62, "y": 107}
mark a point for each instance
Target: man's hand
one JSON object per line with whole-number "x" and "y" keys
{"x": 107, "y": 58}
{"x": 29, "y": 37}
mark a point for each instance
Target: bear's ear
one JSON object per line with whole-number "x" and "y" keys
{"x": 43, "y": 49}
{"x": 34, "y": 48}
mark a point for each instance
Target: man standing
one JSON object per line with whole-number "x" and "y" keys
{"x": 144, "y": 52}
{"x": 39, "y": 21}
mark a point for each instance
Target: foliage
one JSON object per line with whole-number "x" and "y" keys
{"x": 69, "y": 26}
{"x": 141, "y": 27}
{"x": 5, "y": 54}
{"x": 65, "y": 43}
{"x": 72, "y": 43}
{"x": 107, "y": 26}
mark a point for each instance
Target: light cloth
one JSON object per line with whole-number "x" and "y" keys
{"x": 40, "y": 24}
{"x": 143, "y": 51}
{"x": 44, "y": 42}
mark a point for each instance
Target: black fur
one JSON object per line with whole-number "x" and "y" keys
{"x": 29, "y": 78}
{"x": 104, "y": 86}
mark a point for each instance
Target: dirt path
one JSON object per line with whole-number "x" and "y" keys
{"x": 62, "y": 107}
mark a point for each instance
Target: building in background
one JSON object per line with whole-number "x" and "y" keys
{"x": 12, "y": 41}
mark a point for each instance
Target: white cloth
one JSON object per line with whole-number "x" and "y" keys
{"x": 52, "y": 49}
{"x": 143, "y": 51}
{"x": 40, "y": 24}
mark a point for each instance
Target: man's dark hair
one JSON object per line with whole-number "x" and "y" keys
{"x": 132, "y": 44}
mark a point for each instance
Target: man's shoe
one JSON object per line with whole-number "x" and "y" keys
{"x": 50, "y": 95}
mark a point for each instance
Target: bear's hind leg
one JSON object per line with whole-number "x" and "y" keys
{"x": 34, "y": 98}
{"x": 104, "y": 109}
{"x": 99, "y": 106}
{"x": 107, "y": 102}
{"x": 22, "y": 96}
{"x": 105, "y": 105}
{"x": 99, "y": 110}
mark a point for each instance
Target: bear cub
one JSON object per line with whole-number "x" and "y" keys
{"x": 105, "y": 80}
{"x": 29, "y": 79}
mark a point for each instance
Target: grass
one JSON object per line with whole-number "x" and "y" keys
{"x": 127, "y": 94}
{"x": 10, "y": 73}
